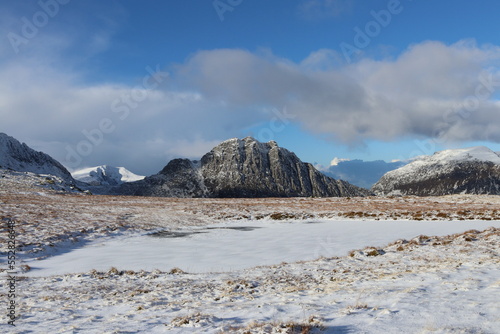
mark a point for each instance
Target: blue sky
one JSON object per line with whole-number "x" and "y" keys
{"x": 137, "y": 83}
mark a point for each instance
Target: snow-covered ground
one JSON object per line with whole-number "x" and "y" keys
{"x": 424, "y": 284}
{"x": 239, "y": 245}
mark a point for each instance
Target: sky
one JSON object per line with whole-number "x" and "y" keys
{"x": 137, "y": 83}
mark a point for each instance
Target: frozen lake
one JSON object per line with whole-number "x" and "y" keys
{"x": 239, "y": 245}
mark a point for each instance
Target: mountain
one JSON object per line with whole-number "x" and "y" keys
{"x": 474, "y": 170}
{"x": 20, "y": 157}
{"x": 179, "y": 178}
{"x": 105, "y": 176}
{"x": 241, "y": 168}
{"x": 359, "y": 172}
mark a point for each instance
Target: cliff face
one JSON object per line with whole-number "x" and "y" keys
{"x": 248, "y": 168}
{"x": 242, "y": 168}
{"x": 474, "y": 170}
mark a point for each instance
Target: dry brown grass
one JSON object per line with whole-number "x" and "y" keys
{"x": 191, "y": 320}
{"x": 312, "y": 325}
{"x": 176, "y": 271}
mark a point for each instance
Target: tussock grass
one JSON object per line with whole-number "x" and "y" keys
{"x": 312, "y": 325}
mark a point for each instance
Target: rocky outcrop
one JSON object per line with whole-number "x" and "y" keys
{"x": 241, "y": 168}
{"x": 180, "y": 178}
{"x": 474, "y": 170}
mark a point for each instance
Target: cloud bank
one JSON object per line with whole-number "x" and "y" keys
{"x": 430, "y": 90}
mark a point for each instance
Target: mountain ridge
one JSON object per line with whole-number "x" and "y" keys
{"x": 473, "y": 170}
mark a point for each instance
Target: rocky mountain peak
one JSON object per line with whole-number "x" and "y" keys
{"x": 242, "y": 168}
{"x": 177, "y": 166}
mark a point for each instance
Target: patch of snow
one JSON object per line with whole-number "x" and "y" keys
{"x": 480, "y": 153}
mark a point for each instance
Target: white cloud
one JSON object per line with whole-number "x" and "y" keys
{"x": 323, "y": 60}
{"x": 52, "y": 110}
{"x": 335, "y": 161}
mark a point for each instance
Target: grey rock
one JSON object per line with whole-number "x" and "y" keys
{"x": 241, "y": 168}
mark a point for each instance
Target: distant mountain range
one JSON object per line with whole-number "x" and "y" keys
{"x": 105, "y": 176}
{"x": 248, "y": 168}
{"x": 234, "y": 168}
{"x": 241, "y": 168}
{"x": 474, "y": 170}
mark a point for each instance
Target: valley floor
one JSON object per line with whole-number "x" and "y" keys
{"x": 424, "y": 284}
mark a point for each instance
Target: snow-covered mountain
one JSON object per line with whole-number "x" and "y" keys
{"x": 474, "y": 170}
{"x": 20, "y": 157}
{"x": 241, "y": 168}
{"x": 105, "y": 176}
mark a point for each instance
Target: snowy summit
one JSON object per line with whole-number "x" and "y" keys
{"x": 105, "y": 175}
{"x": 474, "y": 170}
{"x": 476, "y": 153}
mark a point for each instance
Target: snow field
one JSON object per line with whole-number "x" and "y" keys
{"x": 446, "y": 284}
{"x": 238, "y": 245}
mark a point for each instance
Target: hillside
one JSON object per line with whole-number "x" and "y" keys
{"x": 474, "y": 170}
